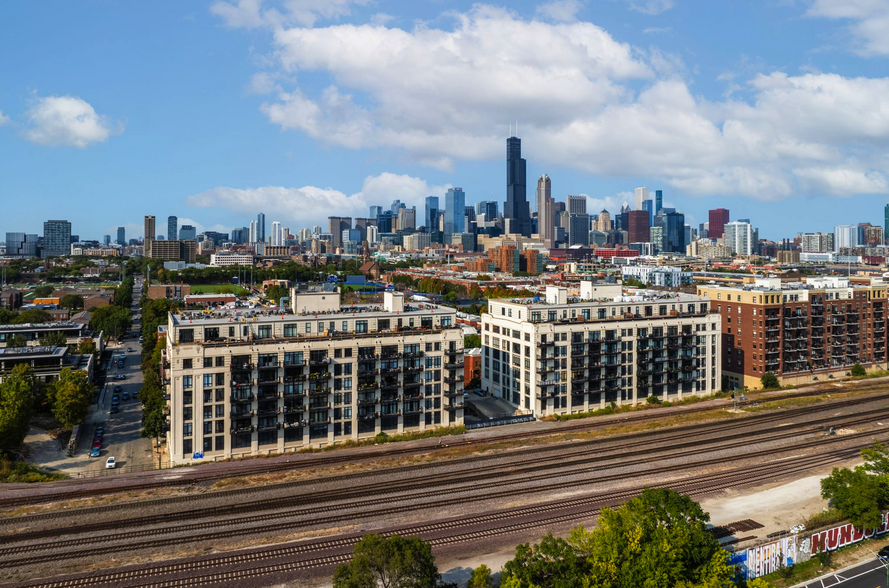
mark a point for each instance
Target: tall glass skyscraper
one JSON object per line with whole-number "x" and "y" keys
{"x": 172, "y": 228}
{"x": 432, "y": 210}
{"x": 121, "y": 236}
{"x": 375, "y": 211}
{"x": 516, "y": 213}
{"x": 658, "y": 200}
{"x": 455, "y": 211}
{"x": 260, "y": 227}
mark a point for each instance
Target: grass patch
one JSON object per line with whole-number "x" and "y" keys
{"x": 647, "y": 405}
{"x": 21, "y": 472}
{"x": 219, "y": 289}
{"x": 381, "y": 438}
{"x": 824, "y": 518}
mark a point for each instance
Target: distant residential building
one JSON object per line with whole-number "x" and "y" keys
{"x": 260, "y": 228}
{"x": 787, "y": 257}
{"x": 417, "y": 241}
{"x": 21, "y": 245}
{"x": 718, "y": 219}
{"x": 740, "y": 237}
{"x": 578, "y": 229}
{"x": 228, "y": 258}
{"x": 336, "y": 225}
{"x": 121, "y": 236}
{"x": 488, "y": 208}
{"x": 56, "y": 238}
{"x": 188, "y": 233}
{"x": 506, "y": 258}
{"x": 845, "y": 236}
{"x": 148, "y": 235}
{"x": 533, "y": 261}
{"x": 10, "y": 299}
{"x": 168, "y": 291}
{"x": 238, "y": 236}
{"x": 660, "y": 276}
{"x": 407, "y": 219}
{"x": 817, "y": 243}
{"x": 173, "y": 250}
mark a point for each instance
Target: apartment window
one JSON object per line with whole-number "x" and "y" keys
{"x": 186, "y": 382}
{"x": 290, "y": 330}
{"x": 208, "y": 362}
{"x": 208, "y": 380}
{"x": 265, "y": 331}
{"x": 186, "y": 447}
{"x": 220, "y": 361}
{"x": 220, "y": 411}
{"x": 187, "y": 429}
{"x": 360, "y": 326}
{"x": 186, "y": 364}
{"x": 186, "y": 335}
{"x": 211, "y": 333}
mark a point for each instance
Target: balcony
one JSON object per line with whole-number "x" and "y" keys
{"x": 367, "y": 400}
{"x": 267, "y": 411}
{"x": 413, "y": 369}
{"x": 319, "y": 361}
{"x": 453, "y": 380}
{"x": 411, "y": 385}
{"x": 369, "y": 386}
{"x": 238, "y": 367}
{"x": 413, "y": 354}
{"x": 453, "y": 393}
{"x": 319, "y": 376}
{"x": 292, "y": 392}
{"x": 395, "y": 355}
{"x": 390, "y": 385}
{"x": 294, "y": 363}
{"x": 368, "y": 416}
{"x": 242, "y": 414}
{"x": 238, "y": 430}
{"x": 453, "y": 365}
{"x": 269, "y": 395}
{"x": 242, "y": 398}
{"x": 452, "y": 407}
{"x": 269, "y": 365}
{"x": 413, "y": 410}
{"x": 368, "y": 357}
{"x": 268, "y": 427}
{"x": 323, "y": 391}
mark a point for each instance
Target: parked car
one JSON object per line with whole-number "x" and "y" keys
{"x": 117, "y": 388}
{"x": 110, "y": 464}
{"x": 126, "y": 395}
{"x": 120, "y": 377}
{"x": 884, "y": 553}
{"x": 114, "y": 409}
{"x": 95, "y": 453}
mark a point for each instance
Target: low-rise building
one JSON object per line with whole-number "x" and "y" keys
{"x": 568, "y": 355}
{"x": 168, "y": 291}
{"x": 11, "y": 299}
{"x": 660, "y": 276}
{"x": 246, "y": 383}
{"x": 47, "y": 362}
{"x": 210, "y": 299}
{"x": 228, "y": 258}
{"x": 33, "y": 332}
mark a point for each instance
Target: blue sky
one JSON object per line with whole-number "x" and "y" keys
{"x": 213, "y": 111}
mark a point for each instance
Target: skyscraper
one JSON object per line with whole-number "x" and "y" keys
{"x": 106, "y": 240}
{"x": 648, "y": 206}
{"x": 739, "y": 237}
{"x": 431, "y": 218}
{"x": 718, "y": 219}
{"x": 122, "y": 234}
{"x": 148, "y": 235}
{"x": 455, "y": 213}
{"x": 188, "y": 233}
{"x": 886, "y": 223}
{"x": 336, "y": 225}
{"x": 254, "y": 231}
{"x": 375, "y": 211}
{"x": 172, "y": 228}
{"x": 845, "y": 236}
{"x": 641, "y": 196}
{"x": 407, "y": 219}
{"x": 260, "y": 227}
{"x": 637, "y": 221}
{"x": 658, "y": 200}
{"x": 275, "y": 236}
{"x": 673, "y": 227}
{"x": 487, "y": 208}
{"x": 516, "y": 214}
{"x": 575, "y": 204}
{"x": 546, "y": 221}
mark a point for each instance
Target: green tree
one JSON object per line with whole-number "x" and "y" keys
{"x": 657, "y": 540}
{"x": 481, "y": 578}
{"x": 31, "y": 316}
{"x": 276, "y": 293}
{"x": 472, "y": 341}
{"x": 72, "y": 302}
{"x": 769, "y": 381}
{"x": 16, "y": 406}
{"x": 858, "y": 370}
{"x": 17, "y": 340}
{"x": 87, "y": 347}
{"x": 112, "y": 320}
{"x": 54, "y": 339}
{"x": 389, "y": 562}
{"x": 7, "y": 316}
{"x": 70, "y": 397}
{"x": 860, "y": 496}
{"x": 43, "y": 291}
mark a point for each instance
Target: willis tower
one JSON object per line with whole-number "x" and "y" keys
{"x": 516, "y": 214}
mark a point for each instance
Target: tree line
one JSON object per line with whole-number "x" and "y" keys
{"x": 656, "y": 540}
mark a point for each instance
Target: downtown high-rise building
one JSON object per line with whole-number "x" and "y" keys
{"x": 260, "y": 227}
{"x": 546, "y": 221}
{"x": 575, "y": 204}
{"x": 56, "y": 238}
{"x": 641, "y": 196}
{"x": 254, "y": 232}
{"x": 739, "y": 236}
{"x": 188, "y": 233}
{"x": 718, "y": 219}
{"x": 658, "y": 200}
{"x": 148, "y": 235}
{"x": 275, "y": 236}
{"x": 335, "y": 226}
{"x": 516, "y": 213}
{"x": 375, "y": 211}
{"x": 172, "y": 228}
{"x": 407, "y": 219}
{"x": 488, "y": 208}
{"x": 455, "y": 213}
{"x": 121, "y": 236}
{"x": 638, "y": 227}
{"x": 430, "y": 221}
{"x": 845, "y": 236}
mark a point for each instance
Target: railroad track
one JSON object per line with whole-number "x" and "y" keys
{"x": 527, "y": 474}
{"x": 324, "y": 553}
{"x": 211, "y": 473}
{"x": 681, "y": 432}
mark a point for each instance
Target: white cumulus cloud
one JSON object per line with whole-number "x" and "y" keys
{"x": 650, "y": 7}
{"x": 67, "y": 121}
{"x": 868, "y": 22}
{"x": 583, "y": 99}
{"x": 257, "y": 13}
{"x": 3, "y": 118}
{"x": 560, "y": 10}
{"x": 311, "y": 205}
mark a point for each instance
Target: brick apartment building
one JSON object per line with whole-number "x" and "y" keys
{"x": 801, "y": 332}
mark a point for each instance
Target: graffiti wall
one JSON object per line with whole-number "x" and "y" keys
{"x": 765, "y": 559}
{"x": 844, "y": 535}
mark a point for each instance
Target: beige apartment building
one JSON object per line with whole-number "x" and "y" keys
{"x": 566, "y": 354}
{"x": 246, "y": 383}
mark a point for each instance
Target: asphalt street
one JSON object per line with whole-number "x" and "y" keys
{"x": 870, "y": 574}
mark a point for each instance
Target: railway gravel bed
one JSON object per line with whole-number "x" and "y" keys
{"x": 17, "y": 495}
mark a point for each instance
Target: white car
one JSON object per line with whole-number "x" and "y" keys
{"x": 110, "y": 464}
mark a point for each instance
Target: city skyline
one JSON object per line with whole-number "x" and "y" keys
{"x": 652, "y": 60}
